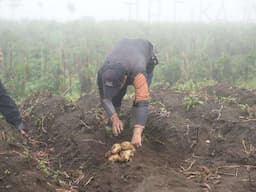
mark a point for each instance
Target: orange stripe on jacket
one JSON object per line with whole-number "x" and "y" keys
{"x": 141, "y": 88}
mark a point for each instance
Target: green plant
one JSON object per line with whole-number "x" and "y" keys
{"x": 193, "y": 86}
{"x": 229, "y": 99}
{"x": 191, "y": 101}
{"x": 243, "y": 107}
{"x": 186, "y": 86}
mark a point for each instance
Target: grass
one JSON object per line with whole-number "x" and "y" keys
{"x": 193, "y": 86}
{"x": 250, "y": 84}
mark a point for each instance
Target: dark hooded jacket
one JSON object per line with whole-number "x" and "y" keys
{"x": 131, "y": 62}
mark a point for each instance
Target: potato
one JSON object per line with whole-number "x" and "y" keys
{"x": 116, "y": 148}
{"x": 126, "y": 145}
{"x": 114, "y": 157}
{"x": 126, "y": 155}
{"x": 121, "y": 152}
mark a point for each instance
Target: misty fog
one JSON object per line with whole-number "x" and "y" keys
{"x": 143, "y": 10}
{"x": 190, "y": 110}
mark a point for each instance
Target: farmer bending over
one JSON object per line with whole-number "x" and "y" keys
{"x": 130, "y": 63}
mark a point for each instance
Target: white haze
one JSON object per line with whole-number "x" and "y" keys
{"x": 143, "y": 10}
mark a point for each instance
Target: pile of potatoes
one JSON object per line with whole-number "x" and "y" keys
{"x": 121, "y": 152}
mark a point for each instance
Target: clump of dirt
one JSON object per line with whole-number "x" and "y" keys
{"x": 205, "y": 143}
{"x": 242, "y": 95}
{"x": 19, "y": 172}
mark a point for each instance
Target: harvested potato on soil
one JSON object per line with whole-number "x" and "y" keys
{"x": 126, "y": 145}
{"x": 126, "y": 155}
{"x": 114, "y": 157}
{"x": 116, "y": 148}
{"x": 121, "y": 152}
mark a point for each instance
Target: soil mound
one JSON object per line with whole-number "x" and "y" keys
{"x": 202, "y": 141}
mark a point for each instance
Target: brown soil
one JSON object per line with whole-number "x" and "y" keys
{"x": 210, "y": 147}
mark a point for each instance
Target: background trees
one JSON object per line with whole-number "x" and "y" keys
{"x": 64, "y": 57}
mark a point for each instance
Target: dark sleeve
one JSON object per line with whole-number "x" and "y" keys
{"x": 106, "y": 103}
{"x": 108, "y": 107}
{"x": 141, "y": 112}
{"x": 8, "y": 108}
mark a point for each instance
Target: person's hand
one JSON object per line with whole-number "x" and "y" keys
{"x": 21, "y": 128}
{"x": 136, "y": 138}
{"x": 117, "y": 125}
{"x": 22, "y": 132}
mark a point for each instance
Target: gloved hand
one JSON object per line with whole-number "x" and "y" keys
{"x": 136, "y": 138}
{"x": 117, "y": 125}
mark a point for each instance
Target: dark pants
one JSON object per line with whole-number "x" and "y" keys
{"x": 8, "y": 107}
